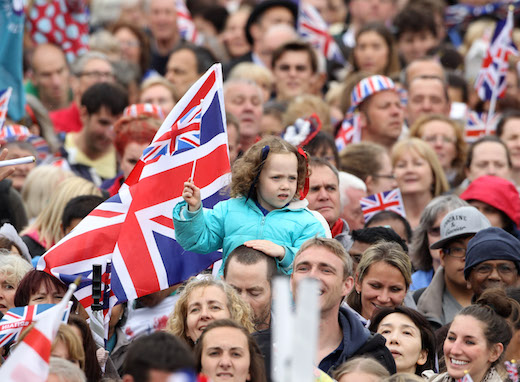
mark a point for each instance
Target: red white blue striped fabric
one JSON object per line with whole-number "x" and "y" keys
{"x": 367, "y": 87}
{"x": 349, "y": 132}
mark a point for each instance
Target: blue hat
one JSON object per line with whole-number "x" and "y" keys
{"x": 491, "y": 244}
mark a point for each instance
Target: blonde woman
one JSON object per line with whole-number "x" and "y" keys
{"x": 12, "y": 269}
{"x": 419, "y": 176}
{"x": 46, "y": 230}
{"x": 39, "y": 186}
{"x": 158, "y": 91}
{"x": 203, "y": 301}
{"x": 446, "y": 138}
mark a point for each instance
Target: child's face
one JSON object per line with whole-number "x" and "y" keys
{"x": 278, "y": 181}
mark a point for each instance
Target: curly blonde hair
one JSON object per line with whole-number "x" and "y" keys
{"x": 247, "y": 168}
{"x": 239, "y": 310}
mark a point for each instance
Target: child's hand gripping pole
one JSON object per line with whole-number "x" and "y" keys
{"x": 191, "y": 193}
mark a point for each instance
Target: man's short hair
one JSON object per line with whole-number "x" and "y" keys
{"x": 437, "y": 78}
{"x": 334, "y": 247}
{"x": 297, "y": 46}
{"x": 413, "y": 19}
{"x": 320, "y": 162}
{"x": 373, "y": 235}
{"x": 487, "y": 138}
{"x": 79, "y": 207}
{"x": 250, "y": 256}
{"x": 205, "y": 58}
{"x": 157, "y": 351}
{"x": 111, "y": 96}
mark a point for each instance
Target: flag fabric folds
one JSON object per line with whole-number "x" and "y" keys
{"x": 492, "y": 76}
{"x": 29, "y": 361}
{"x": 313, "y": 29}
{"x": 388, "y": 200}
{"x": 349, "y": 132}
{"x": 133, "y": 230}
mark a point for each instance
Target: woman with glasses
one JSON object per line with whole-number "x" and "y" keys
{"x": 371, "y": 163}
{"x": 445, "y": 136}
{"x": 425, "y": 260}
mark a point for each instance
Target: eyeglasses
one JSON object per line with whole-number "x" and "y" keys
{"x": 456, "y": 252}
{"x": 434, "y": 231}
{"x": 502, "y": 269}
{"x": 97, "y": 74}
{"x": 390, "y": 176}
{"x": 435, "y": 138}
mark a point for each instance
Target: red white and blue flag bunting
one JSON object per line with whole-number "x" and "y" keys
{"x": 383, "y": 201}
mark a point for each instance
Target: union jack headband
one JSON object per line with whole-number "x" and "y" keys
{"x": 146, "y": 109}
{"x": 368, "y": 87}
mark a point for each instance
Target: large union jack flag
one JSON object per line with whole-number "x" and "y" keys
{"x": 492, "y": 76}
{"x": 5, "y": 95}
{"x": 313, "y": 29}
{"x": 387, "y": 200}
{"x": 17, "y": 319}
{"x": 133, "y": 230}
{"x": 185, "y": 24}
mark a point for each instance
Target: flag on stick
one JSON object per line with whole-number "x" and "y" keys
{"x": 30, "y": 359}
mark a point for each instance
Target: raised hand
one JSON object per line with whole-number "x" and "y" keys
{"x": 191, "y": 194}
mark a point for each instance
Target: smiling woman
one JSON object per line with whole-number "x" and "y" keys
{"x": 227, "y": 352}
{"x": 203, "y": 301}
{"x": 477, "y": 338}
{"x": 382, "y": 279}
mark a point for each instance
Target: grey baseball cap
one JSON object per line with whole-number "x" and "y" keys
{"x": 460, "y": 222}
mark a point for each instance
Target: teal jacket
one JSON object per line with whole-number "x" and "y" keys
{"x": 234, "y": 221}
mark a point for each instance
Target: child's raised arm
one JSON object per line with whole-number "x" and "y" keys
{"x": 191, "y": 194}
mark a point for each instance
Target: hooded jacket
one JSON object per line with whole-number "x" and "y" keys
{"x": 234, "y": 221}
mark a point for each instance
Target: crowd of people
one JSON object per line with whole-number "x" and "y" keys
{"x": 430, "y": 291}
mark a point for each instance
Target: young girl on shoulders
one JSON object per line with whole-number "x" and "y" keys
{"x": 265, "y": 211}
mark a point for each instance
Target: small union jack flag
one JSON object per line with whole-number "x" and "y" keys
{"x": 477, "y": 125}
{"x": 17, "y": 319}
{"x": 349, "y": 132}
{"x": 512, "y": 370}
{"x": 313, "y": 29}
{"x": 185, "y": 24}
{"x": 5, "y": 95}
{"x": 10, "y": 133}
{"x": 384, "y": 201}
{"x": 492, "y": 77}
